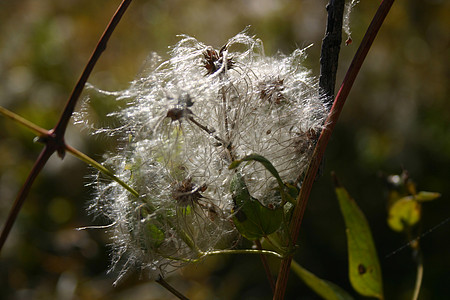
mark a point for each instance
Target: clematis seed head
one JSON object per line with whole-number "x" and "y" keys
{"x": 186, "y": 119}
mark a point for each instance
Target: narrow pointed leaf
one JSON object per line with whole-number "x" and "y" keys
{"x": 426, "y": 196}
{"x": 325, "y": 289}
{"x": 364, "y": 267}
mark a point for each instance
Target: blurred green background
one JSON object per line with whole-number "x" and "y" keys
{"x": 397, "y": 117}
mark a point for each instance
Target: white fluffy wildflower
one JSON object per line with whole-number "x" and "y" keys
{"x": 186, "y": 120}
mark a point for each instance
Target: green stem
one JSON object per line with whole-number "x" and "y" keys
{"x": 419, "y": 275}
{"x": 42, "y": 132}
{"x": 187, "y": 239}
{"x": 219, "y": 252}
{"x": 277, "y": 245}
{"x": 16, "y": 118}
{"x": 243, "y": 251}
{"x": 417, "y": 256}
{"x": 101, "y": 168}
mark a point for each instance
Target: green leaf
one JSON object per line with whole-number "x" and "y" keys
{"x": 269, "y": 167}
{"x": 426, "y": 196}
{"x": 154, "y": 235}
{"x": 364, "y": 268}
{"x": 405, "y": 212}
{"x": 325, "y": 289}
{"x": 252, "y": 219}
{"x": 261, "y": 159}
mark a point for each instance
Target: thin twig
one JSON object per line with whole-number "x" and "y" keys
{"x": 78, "y": 154}
{"x": 266, "y": 266}
{"x": 61, "y": 126}
{"x": 38, "y": 165}
{"x": 170, "y": 288}
{"x": 202, "y": 255}
{"x": 330, "y": 123}
{"x": 16, "y": 118}
{"x": 54, "y": 139}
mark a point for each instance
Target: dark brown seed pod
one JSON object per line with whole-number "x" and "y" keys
{"x": 187, "y": 193}
{"x": 304, "y": 141}
{"x": 213, "y": 60}
{"x": 272, "y": 91}
{"x": 177, "y": 113}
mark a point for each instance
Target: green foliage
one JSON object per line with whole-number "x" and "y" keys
{"x": 252, "y": 219}
{"x": 154, "y": 233}
{"x": 426, "y": 196}
{"x": 325, "y": 289}
{"x": 405, "y": 203}
{"x": 364, "y": 268}
{"x": 404, "y": 213}
{"x": 398, "y": 116}
{"x": 269, "y": 167}
{"x": 267, "y": 164}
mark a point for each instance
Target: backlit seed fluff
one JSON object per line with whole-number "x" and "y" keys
{"x": 186, "y": 119}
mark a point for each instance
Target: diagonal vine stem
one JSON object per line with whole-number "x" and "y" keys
{"x": 54, "y": 138}
{"x": 61, "y": 126}
{"x": 17, "y": 205}
{"x": 330, "y": 123}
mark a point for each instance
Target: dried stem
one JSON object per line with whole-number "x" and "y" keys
{"x": 266, "y": 266}
{"x": 54, "y": 139}
{"x": 324, "y": 138}
{"x": 331, "y": 45}
{"x": 170, "y": 288}
{"x": 38, "y": 165}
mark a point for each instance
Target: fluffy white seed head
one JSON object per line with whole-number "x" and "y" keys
{"x": 186, "y": 120}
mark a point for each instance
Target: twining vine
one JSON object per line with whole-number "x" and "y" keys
{"x": 53, "y": 139}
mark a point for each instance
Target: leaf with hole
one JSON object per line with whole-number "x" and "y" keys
{"x": 364, "y": 267}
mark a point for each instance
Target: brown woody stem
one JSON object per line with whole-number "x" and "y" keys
{"x": 330, "y": 123}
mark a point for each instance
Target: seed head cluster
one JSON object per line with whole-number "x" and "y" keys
{"x": 187, "y": 118}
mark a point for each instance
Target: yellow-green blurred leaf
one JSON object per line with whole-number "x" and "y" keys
{"x": 364, "y": 268}
{"x": 426, "y": 196}
{"x": 404, "y": 212}
{"x": 325, "y": 289}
